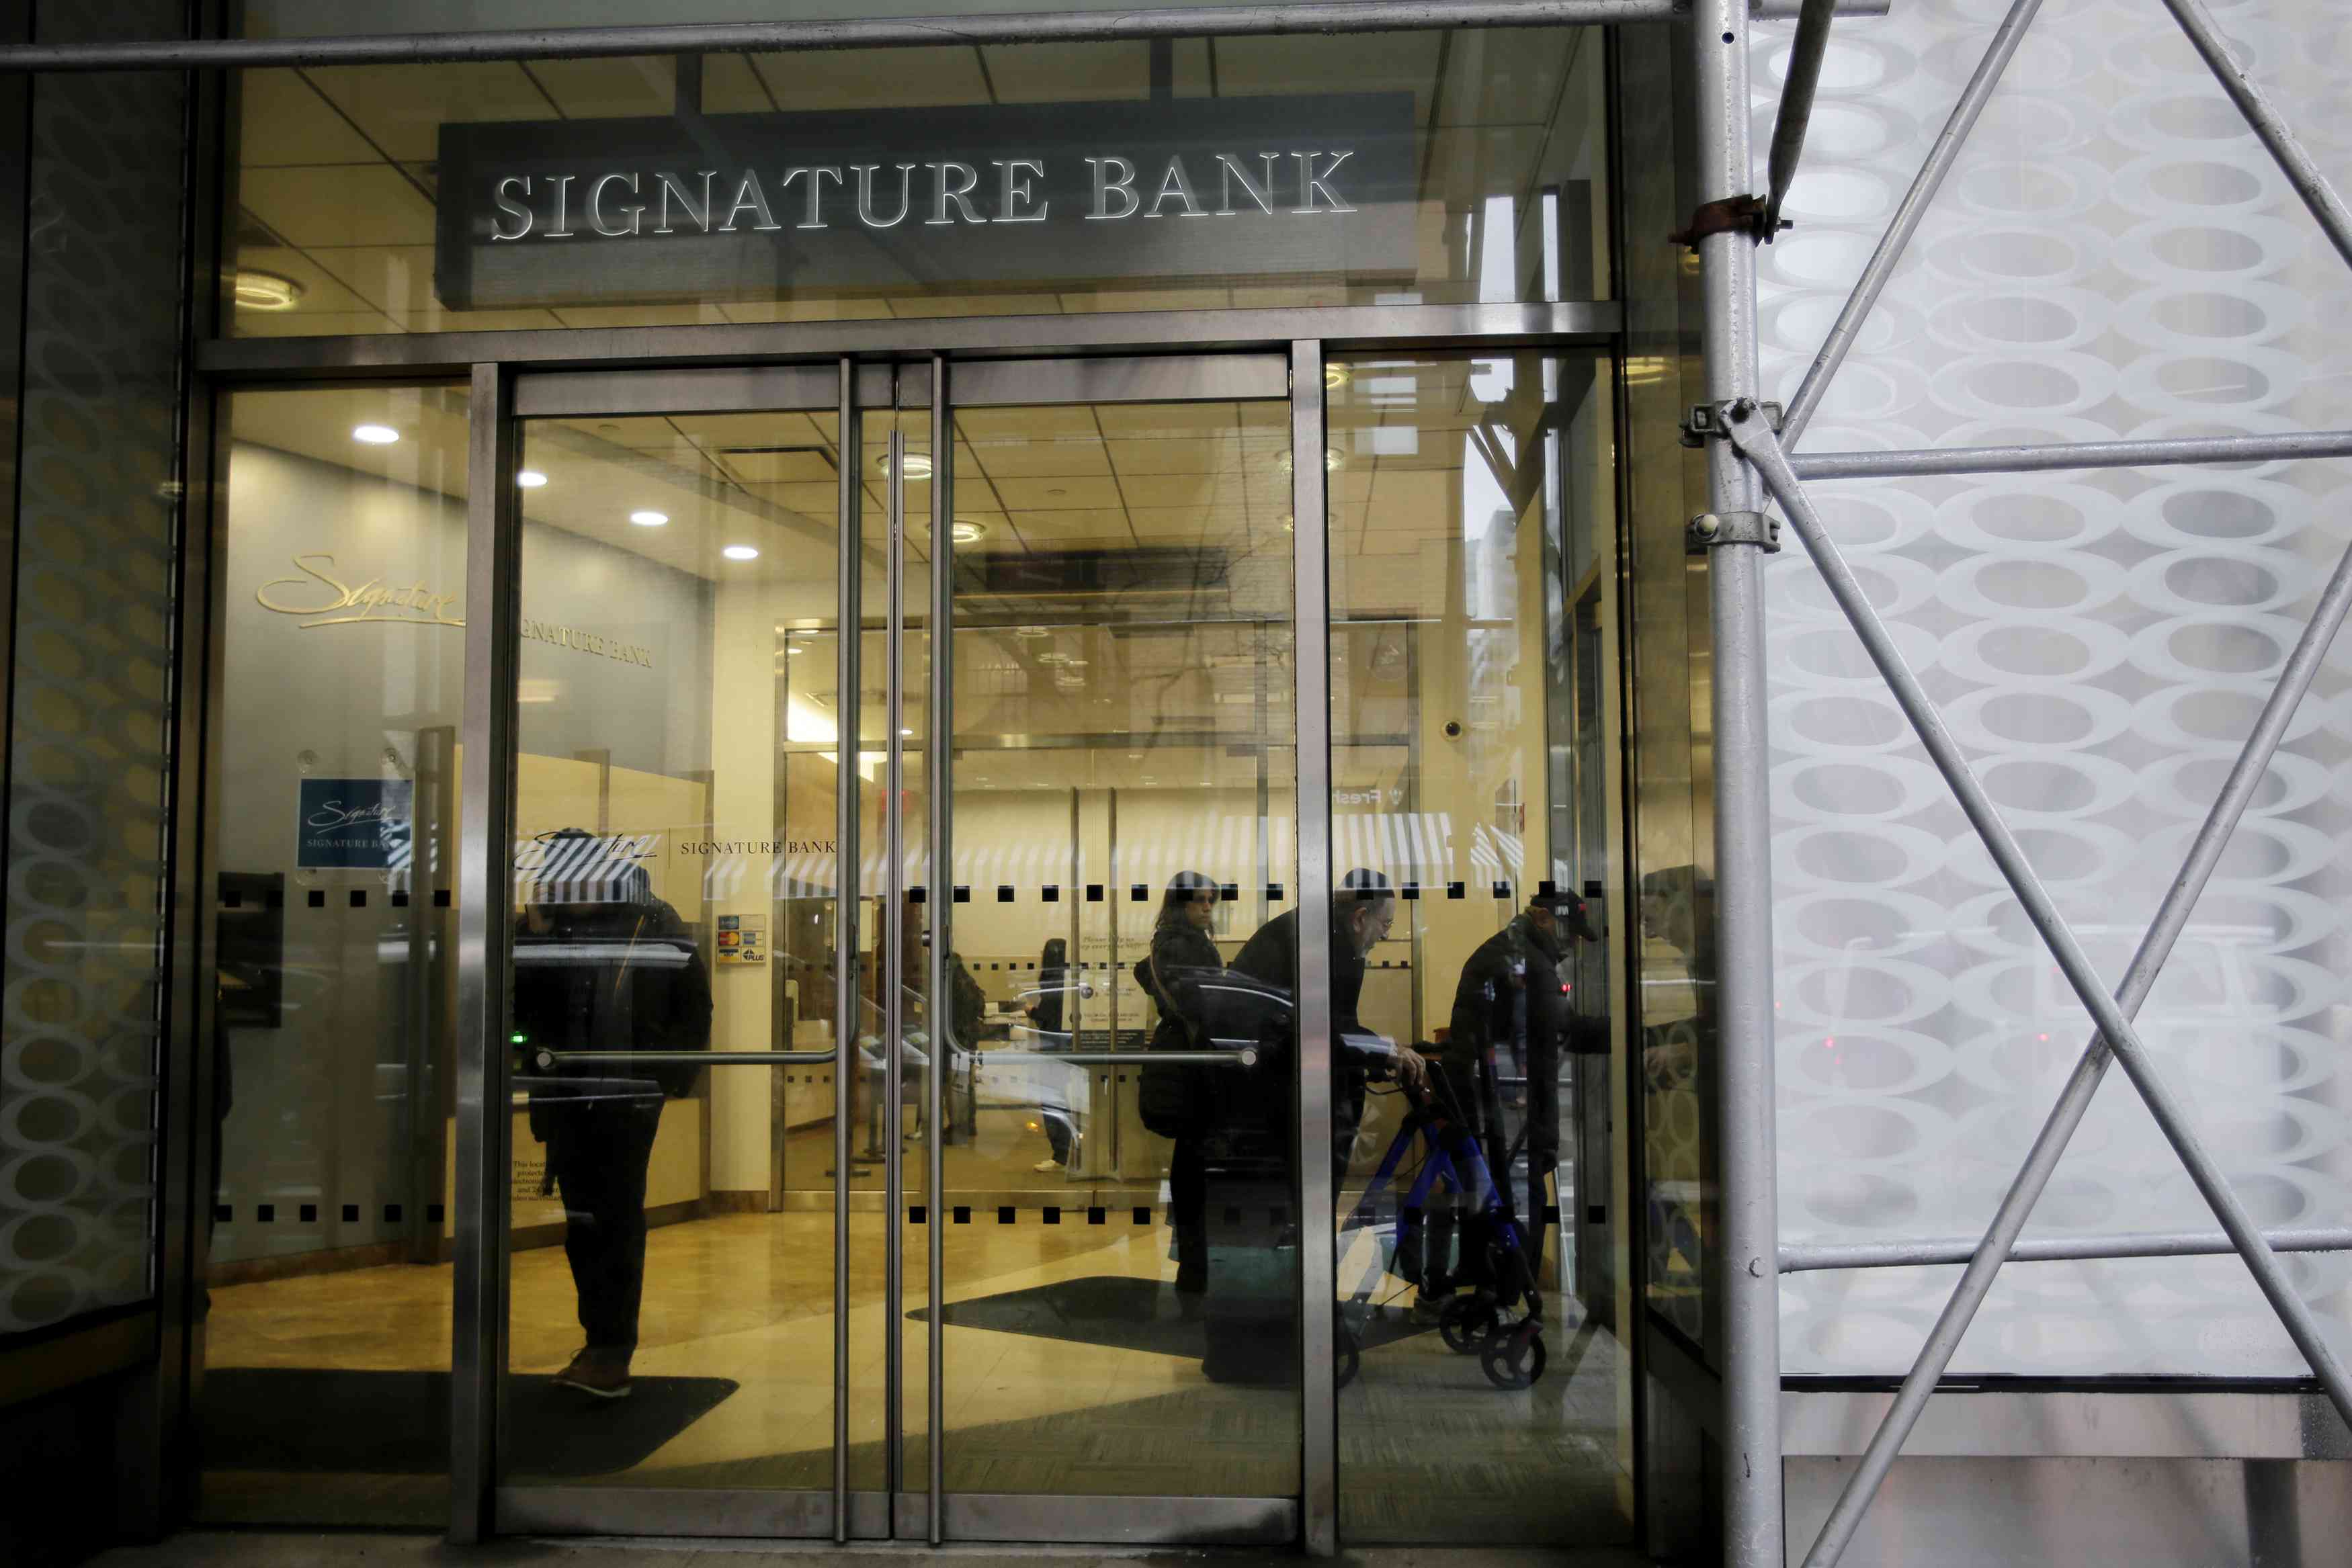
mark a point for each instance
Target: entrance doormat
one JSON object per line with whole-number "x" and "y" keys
{"x": 1122, "y": 1313}
{"x": 397, "y": 1423}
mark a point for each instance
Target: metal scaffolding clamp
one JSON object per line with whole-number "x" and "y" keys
{"x": 1712, "y": 421}
{"x": 1752, "y": 215}
{"x": 1710, "y": 529}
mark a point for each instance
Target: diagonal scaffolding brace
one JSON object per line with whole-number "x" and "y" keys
{"x": 1905, "y": 221}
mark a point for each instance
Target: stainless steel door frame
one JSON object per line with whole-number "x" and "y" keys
{"x": 502, "y": 398}
{"x": 483, "y": 1503}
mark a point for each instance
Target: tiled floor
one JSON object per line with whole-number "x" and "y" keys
{"x": 1430, "y": 1451}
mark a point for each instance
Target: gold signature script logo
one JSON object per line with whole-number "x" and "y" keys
{"x": 340, "y": 603}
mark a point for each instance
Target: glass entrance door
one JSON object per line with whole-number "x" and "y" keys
{"x": 842, "y": 1203}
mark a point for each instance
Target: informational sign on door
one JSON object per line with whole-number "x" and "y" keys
{"x": 742, "y": 939}
{"x": 353, "y": 824}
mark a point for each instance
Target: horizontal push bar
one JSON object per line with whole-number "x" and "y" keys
{"x": 1245, "y": 1057}
{"x": 1109, "y": 25}
{"x": 549, "y": 1058}
{"x": 1801, "y": 1259}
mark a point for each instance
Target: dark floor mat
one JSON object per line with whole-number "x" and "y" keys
{"x": 320, "y": 1420}
{"x": 1119, "y": 1312}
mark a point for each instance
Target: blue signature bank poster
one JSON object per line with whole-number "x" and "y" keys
{"x": 359, "y": 824}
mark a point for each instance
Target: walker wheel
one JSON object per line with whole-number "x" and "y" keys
{"x": 1513, "y": 1359}
{"x": 1467, "y": 1322}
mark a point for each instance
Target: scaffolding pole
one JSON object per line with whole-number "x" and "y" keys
{"x": 1796, "y": 111}
{"x": 2050, "y": 458}
{"x": 1717, "y": 41}
{"x": 1799, "y": 1259}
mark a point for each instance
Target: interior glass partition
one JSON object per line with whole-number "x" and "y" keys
{"x": 1479, "y": 925}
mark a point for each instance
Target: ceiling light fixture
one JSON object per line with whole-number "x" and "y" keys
{"x": 918, "y": 465}
{"x": 739, "y": 552}
{"x": 265, "y": 291}
{"x": 966, "y": 531}
{"x": 1335, "y": 376}
{"x": 1333, "y": 461}
{"x": 650, "y": 519}
{"x": 375, "y": 434}
{"x": 530, "y": 478}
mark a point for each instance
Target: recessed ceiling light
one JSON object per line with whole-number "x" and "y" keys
{"x": 650, "y": 519}
{"x": 1335, "y": 377}
{"x": 905, "y": 732}
{"x": 966, "y": 531}
{"x": 265, "y": 291}
{"x": 375, "y": 434}
{"x": 530, "y": 478}
{"x": 739, "y": 552}
{"x": 918, "y": 465}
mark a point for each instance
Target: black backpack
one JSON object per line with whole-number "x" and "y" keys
{"x": 1173, "y": 1098}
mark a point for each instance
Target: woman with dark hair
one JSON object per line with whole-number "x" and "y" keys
{"x": 1045, "y": 1012}
{"x": 1182, "y": 955}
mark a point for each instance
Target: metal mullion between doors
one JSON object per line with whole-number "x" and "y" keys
{"x": 477, "y": 1351}
{"x": 936, "y": 779}
{"x": 1311, "y": 720}
{"x": 893, "y": 966}
{"x": 846, "y": 873}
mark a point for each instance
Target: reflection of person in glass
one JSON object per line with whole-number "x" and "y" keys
{"x": 1512, "y": 1002}
{"x": 602, "y": 965}
{"x": 1362, "y": 912}
{"x": 1045, "y": 1013}
{"x": 1183, "y": 958}
{"x": 1250, "y": 1318}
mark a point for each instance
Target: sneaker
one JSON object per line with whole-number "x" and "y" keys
{"x": 1046, "y": 1167}
{"x": 1426, "y": 1311}
{"x": 599, "y": 1372}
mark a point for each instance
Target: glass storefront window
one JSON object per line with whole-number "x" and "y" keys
{"x": 342, "y": 660}
{"x": 1485, "y": 1290}
{"x": 1400, "y": 168}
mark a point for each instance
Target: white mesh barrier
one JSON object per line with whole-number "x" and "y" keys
{"x": 2114, "y": 255}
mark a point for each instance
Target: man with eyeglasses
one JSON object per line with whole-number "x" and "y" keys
{"x": 1362, "y": 912}
{"x": 1250, "y": 1312}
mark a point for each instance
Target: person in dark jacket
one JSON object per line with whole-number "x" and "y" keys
{"x": 602, "y": 965}
{"x": 1183, "y": 958}
{"x": 1512, "y": 1003}
{"x": 1361, "y": 913}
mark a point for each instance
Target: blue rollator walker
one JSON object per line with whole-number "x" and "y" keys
{"x": 1510, "y": 1354}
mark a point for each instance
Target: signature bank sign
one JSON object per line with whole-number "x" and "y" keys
{"x": 754, "y": 205}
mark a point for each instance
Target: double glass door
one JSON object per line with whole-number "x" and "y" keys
{"x": 891, "y": 739}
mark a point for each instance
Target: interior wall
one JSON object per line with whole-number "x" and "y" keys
{"x": 317, "y": 1099}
